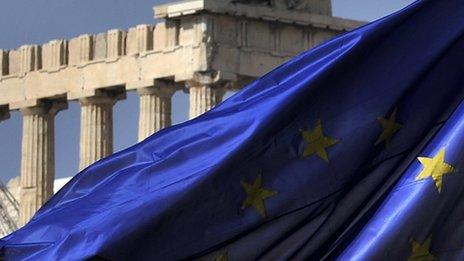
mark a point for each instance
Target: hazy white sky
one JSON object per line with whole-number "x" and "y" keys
{"x": 37, "y": 21}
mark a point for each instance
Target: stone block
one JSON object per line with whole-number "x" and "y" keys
{"x": 36, "y": 57}
{"x": 145, "y": 37}
{"x": 32, "y": 58}
{"x": 159, "y": 36}
{"x": 226, "y": 30}
{"x": 115, "y": 43}
{"x": 172, "y": 33}
{"x": 323, "y": 7}
{"x": 74, "y": 51}
{"x": 14, "y": 61}
{"x": 3, "y": 62}
{"x": 100, "y": 46}
{"x": 54, "y": 54}
{"x": 131, "y": 41}
{"x": 190, "y": 30}
{"x": 79, "y": 94}
{"x": 258, "y": 35}
{"x": 80, "y": 49}
{"x": 24, "y": 104}
{"x": 25, "y": 59}
{"x": 139, "y": 84}
{"x": 180, "y": 8}
{"x": 291, "y": 39}
{"x": 166, "y": 35}
{"x": 320, "y": 36}
{"x": 139, "y": 39}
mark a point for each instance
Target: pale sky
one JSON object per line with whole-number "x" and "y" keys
{"x": 38, "y": 21}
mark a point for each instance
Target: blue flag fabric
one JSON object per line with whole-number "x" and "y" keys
{"x": 352, "y": 151}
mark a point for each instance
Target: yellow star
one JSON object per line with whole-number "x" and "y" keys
{"x": 317, "y": 142}
{"x": 421, "y": 251}
{"x": 435, "y": 167}
{"x": 256, "y": 195}
{"x": 389, "y": 126}
{"x": 223, "y": 257}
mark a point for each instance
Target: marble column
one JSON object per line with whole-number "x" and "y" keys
{"x": 155, "y": 109}
{"x": 204, "y": 97}
{"x": 96, "y": 138}
{"x": 37, "y": 158}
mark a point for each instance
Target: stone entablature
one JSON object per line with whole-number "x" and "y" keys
{"x": 202, "y": 47}
{"x": 202, "y": 35}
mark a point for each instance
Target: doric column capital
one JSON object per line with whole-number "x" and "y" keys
{"x": 208, "y": 78}
{"x": 98, "y": 100}
{"x": 41, "y": 107}
{"x": 96, "y": 138}
{"x": 98, "y": 97}
{"x": 155, "y": 107}
{"x": 212, "y": 79}
{"x": 205, "y": 92}
{"x": 160, "y": 88}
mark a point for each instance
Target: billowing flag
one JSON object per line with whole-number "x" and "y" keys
{"x": 353, "y": 150}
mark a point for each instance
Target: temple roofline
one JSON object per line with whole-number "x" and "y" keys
{"x": 268, "y": 13}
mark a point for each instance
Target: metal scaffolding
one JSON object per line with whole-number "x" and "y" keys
{"x": 9, "y": 211}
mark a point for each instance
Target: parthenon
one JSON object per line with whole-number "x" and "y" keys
{"x": 201, "y": 47}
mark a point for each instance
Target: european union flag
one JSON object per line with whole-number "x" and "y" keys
{"x": 353, "y": 150}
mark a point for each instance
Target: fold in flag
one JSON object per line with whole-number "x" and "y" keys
{"x": 353, "y": 150}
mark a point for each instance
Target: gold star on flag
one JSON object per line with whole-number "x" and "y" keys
{"x": 256, "y": 195}
{"x": 223, "y": 257}
{"x": 421, "y": 251}
{"x": 389, "y": 126}
{"x": 435, "y": 167}
{"x": 317, "y": 142}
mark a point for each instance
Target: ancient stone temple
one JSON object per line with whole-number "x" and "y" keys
{"x": 201, "y": 47}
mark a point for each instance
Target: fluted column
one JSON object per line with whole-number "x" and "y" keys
{"x": 96, "y": 138}
{"x": 155, "y": 109}
{"x": 204, "y": 97}
{"x": 37, "y": 158}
